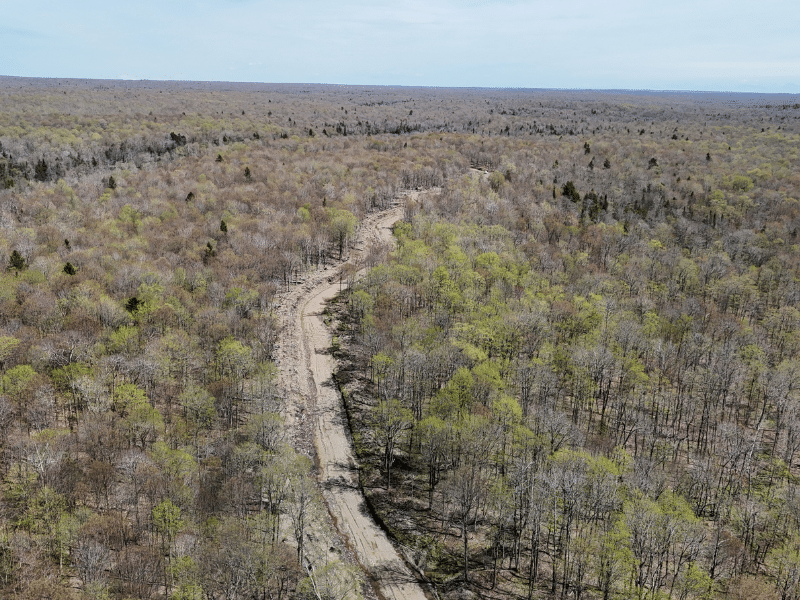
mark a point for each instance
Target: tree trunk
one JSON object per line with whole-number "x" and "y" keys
{"x": 466, "y": 560}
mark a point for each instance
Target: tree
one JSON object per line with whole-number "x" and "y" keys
{"x": 167, "y": 522}
{"x": 199, "y": 409}
{"x": 569, "y": 190}
{"x": 142, "y": 422}
{"x": 69, "y": 269}
{"x": 40, "y": 172}
{"x": 7, "y": 346}
{"x": 613, "y": 559}
{"x": 303, "y": 510}
{"x": 466, "y": 489}
{"x": 185, "y": 576}
{"x": 271, "y": 479}
{"x": 342, "y": 226}
{"x": 434, "y": 438}
{"x": 783, "y": 564}
{"x": 662, "y": 533}
{"x": 390, "y": 420}
{"x": 132, "y": 304}
{"x": 230, "y": 563}
{"x": 496, "y": 180}
{"x": 15, "y": 261}
{"x": 234, "y": 363}
{"x": 91, "y": 557}
{"x": 333, "y": 581}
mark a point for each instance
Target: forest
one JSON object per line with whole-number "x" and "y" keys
{"x": 574, "y": 376}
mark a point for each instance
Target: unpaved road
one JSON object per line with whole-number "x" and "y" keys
{"x": 317, "y": 416}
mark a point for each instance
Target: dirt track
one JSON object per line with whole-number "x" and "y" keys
{"x": 316, "y": 416}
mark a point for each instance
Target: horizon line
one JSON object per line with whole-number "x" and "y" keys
{"x": 393, "y": 85}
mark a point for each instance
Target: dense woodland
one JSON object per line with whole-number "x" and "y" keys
{"x": 576, "y": 376}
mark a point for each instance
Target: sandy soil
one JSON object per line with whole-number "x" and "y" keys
{"x": 316, "y": 420}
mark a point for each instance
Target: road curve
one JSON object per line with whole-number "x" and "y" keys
{"x": 317, "y": 416}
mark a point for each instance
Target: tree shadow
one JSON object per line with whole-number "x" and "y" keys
{"x": 349, "y": 481}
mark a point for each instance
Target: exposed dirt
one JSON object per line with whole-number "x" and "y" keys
{"x": 316, "y": 420}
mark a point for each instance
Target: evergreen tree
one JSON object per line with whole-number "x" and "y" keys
{"x": 16, "y": 261}
{"x": 568, "y": 190}
{"x": 40, "y": 172}
{"x": 133, "y": 304}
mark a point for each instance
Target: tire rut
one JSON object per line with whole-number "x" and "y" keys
{"x": 315, "y": 415}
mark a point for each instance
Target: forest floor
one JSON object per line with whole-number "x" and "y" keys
{"x": 316, "y": 418}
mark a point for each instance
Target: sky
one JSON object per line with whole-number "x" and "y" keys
{"x": 709, "y": 45}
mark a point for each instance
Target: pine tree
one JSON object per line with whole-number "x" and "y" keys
{"x": 16, "y": 261}
{"x": 133, "y": 304}
{"x": 40, "y": 172}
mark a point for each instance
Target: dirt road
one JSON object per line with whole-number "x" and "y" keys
{"x": 317, "y": 417}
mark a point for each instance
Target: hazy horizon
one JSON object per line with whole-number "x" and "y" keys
{"x": 739, "y": 95}
{"x": 527, "y": 44}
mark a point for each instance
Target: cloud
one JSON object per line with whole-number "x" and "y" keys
{"x": 25, "y": 33}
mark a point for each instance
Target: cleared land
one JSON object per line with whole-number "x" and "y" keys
{"x": 306, "y": 370}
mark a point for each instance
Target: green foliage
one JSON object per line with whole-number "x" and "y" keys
{"x": 342, "y": 227}
{"x": 142, "y": 423}
{"x": 783, "y": 563}
{"x": 125, "y": 340}
{"x": 16, "y": 261}
{"x": 198, "y": 406}
{"x": 17, "y": 380}
{"x": 128, "y": 396}
{"x": 645, "y": 331}
{"x": 234, "y": 358}
{"x": 496, "y": 180}
{"x": 454, "y": 401}
{"x": 7, "y": 346}
{"x": 167, "y": 520}
{"x": 569, "y": 190}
